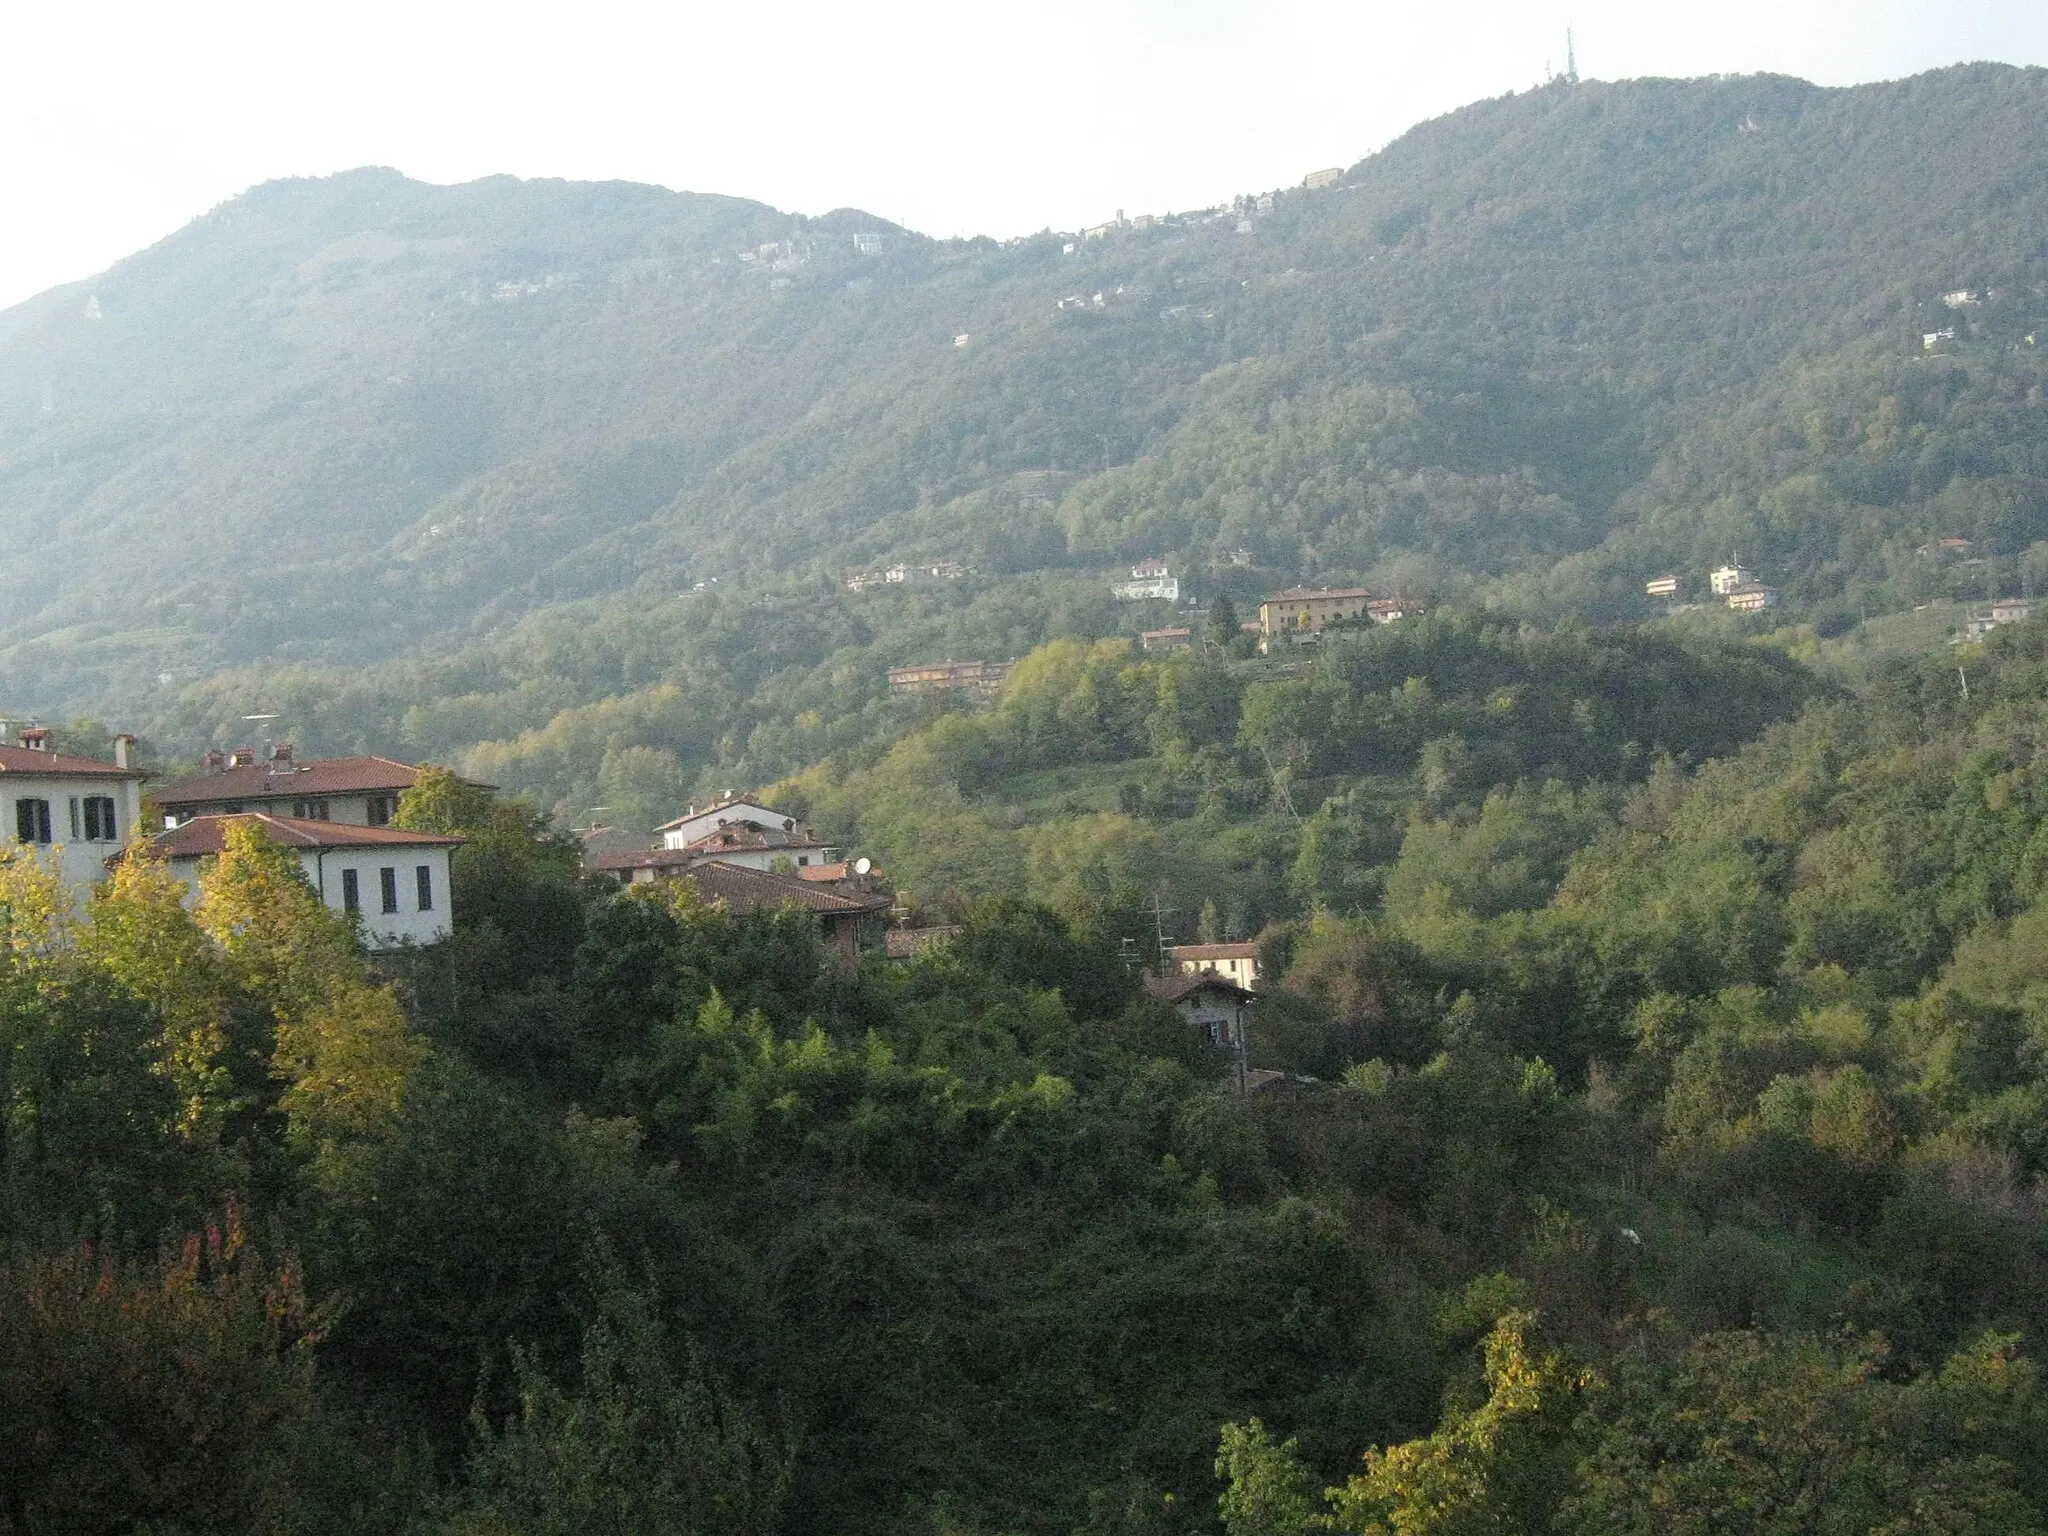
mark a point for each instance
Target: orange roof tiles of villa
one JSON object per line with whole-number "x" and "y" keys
{"x": 294, "y": 780}
{"x": 1214, "y": 951}
{"x": 62, "y": 765}
{"x": 207, "y": 835}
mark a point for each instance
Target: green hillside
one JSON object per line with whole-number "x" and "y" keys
{"x": 426, "y": 468}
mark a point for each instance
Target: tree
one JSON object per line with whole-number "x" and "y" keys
{"x": 163, "y": 1395}
{"x": 642, "y": 1448}
{"x": 1223, "y": 622}
{"x": 1268, "y": 1491}
{"x": 1501, "y": 1469}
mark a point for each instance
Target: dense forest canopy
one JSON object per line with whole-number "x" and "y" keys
{"x": 1662, "y": 1135}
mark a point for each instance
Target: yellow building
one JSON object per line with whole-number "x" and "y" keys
{"x": 1306, "y": 610}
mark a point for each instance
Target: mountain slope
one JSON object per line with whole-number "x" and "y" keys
{"x": 1529, "y": 353}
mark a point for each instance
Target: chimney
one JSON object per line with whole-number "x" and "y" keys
{"x": 124, "y": 744}
{"x": 35, "y": 738}
{"x": 281, "y": 754}
{"x": 242, "y": 757}
{"x": 214, "y": 761}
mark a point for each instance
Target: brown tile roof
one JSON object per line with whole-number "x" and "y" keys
{"x": 1174, "y": 989}
{"x": 1214, "y": 951}
{"x": 205, "y": 835}
{"x": 62, "y": 765}
{"x": 313, "y": 777}
{"x": 749, "y": 890}
{"x": 645, "y": 858}
{"x": 752, "y": 837}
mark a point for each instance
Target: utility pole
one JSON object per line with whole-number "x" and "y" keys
{"x": 1159, "y": 916}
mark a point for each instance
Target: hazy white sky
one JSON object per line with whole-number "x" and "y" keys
{"x": 120, "y": 121}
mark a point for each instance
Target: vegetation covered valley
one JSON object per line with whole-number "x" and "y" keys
{"x": 1662, "y": 1152}
{"x": 1653, "y": 1028}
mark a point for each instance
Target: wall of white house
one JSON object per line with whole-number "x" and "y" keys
{"x": 325, "y": 872}
{"x": 704, "y": 823}
{"x": 348, "y": 810}
{"x": 764, "y": 858}
{"x": 1222, "y": 1022}
{"x": 80, "y": 862}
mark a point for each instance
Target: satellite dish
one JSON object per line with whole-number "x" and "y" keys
{"x": 862, "y": 866}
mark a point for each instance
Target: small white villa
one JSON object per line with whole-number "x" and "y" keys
{"x": 74, "y": 811}
{"x": 395, "y": 882}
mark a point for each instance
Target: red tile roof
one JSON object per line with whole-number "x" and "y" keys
{"x": 206, "y": 835}
{"x": 62, "y": 765}
{"x": 294, "y": 781}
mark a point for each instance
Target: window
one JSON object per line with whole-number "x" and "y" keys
{"x": 423, "y": 882}
{"x": 803, "y": 858}
{"x": 74, "y": 818}
{"x": 380, "y": 809}
{"x": 310, "y": 810}
{"x": 387, "y": 887}
{"x": 351, "y": 893}
{"x": 32, "y": 820}
{"x": 100, "y": 823}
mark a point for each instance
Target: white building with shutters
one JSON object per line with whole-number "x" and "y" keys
{"x": 74, "y": 812}
{"x": 393, "y": 883}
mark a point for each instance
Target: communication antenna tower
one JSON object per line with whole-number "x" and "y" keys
{"x": 1571, "y": 60}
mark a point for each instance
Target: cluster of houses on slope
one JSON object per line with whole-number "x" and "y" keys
{"x": 751, "y": 856}
{"x": 80, "y": 814}
{"x": 1733, "y": 583}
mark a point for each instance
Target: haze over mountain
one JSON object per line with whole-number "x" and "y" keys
{"x": 1527, "y": 355}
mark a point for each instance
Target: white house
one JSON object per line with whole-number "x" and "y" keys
{"x": 702, "y": 821}
{"x": 1726, "y": 578}
{"x": 1237, "y": 963}
{"x": 74, "y": 811}
{"x": 743, "y": 844}
{"x": 1221, "y": 1010}
{"x": 356, "y": 791}
{"x": 396, "y": 882}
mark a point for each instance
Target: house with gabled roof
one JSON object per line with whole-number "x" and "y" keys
{"x": 395, "y": 882}
{"x": 850, "y": 917}
{"x": 702, "y": 821}
{"x": 359, "y": 791}
{"x": 74, "y": 812}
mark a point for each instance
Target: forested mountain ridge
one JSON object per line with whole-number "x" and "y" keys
{"x": 1528, "y": 353}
